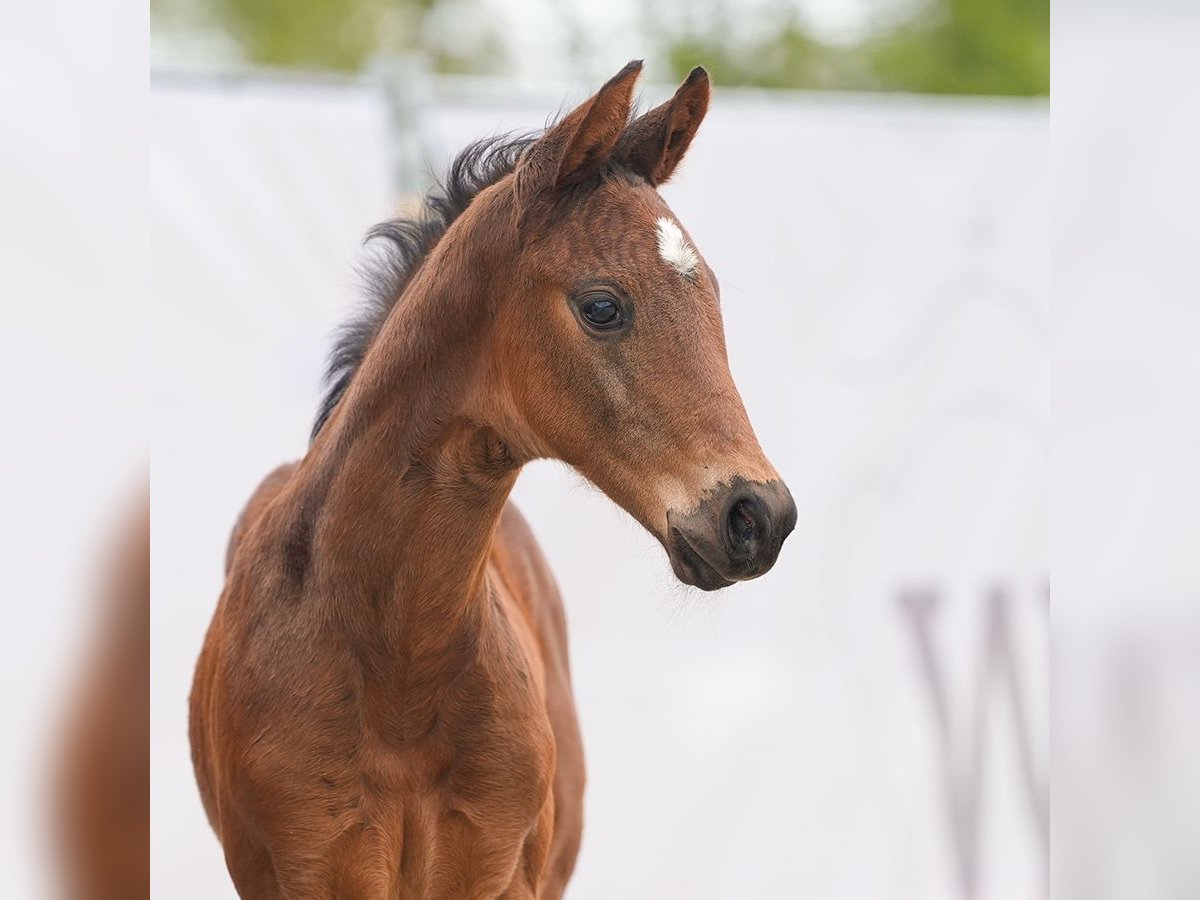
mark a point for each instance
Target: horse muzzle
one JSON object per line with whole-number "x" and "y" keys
{"x": 735, "y": 534}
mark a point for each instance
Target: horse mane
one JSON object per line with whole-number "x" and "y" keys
{"x": 402, "y": 245}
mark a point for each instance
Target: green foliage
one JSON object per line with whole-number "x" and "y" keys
{"x": 789, "y": 58}
{"x": 325, "y": 34}
{"x": 995, "y": 47}
{"x": 339, "y": 35}
{"x": 968, "y": 47}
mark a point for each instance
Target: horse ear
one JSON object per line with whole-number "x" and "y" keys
{"x": 654, "y": 143}
{"x": 577, "y": 146}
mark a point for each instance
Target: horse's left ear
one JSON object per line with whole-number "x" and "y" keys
{"x": 654, "y": 143}
{"x": 577, "y": 147}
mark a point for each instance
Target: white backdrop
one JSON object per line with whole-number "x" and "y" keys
{"x": 870, "y": 720}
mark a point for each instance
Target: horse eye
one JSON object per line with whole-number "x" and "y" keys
{"x": 602, "y": 312}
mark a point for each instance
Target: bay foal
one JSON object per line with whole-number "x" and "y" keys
{"x": 382, "y": 707}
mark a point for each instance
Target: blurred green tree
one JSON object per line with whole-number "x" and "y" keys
{"x": 340, "y": 35}
{"x": 325, "y": 34}
{"x": 995, "y": 47}
{"x": 968, "y": 47}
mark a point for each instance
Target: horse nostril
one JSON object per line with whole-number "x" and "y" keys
{"x": 743, "y": 522}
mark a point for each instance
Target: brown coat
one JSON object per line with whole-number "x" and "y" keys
{"x": 383, "y": 707}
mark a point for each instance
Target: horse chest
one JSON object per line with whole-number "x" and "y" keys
{"x": 492, "y": 771}
{"x": 400, "y": 808}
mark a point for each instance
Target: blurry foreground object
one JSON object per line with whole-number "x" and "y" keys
{"x": 1127, "y": 487}
{"x": 103, "y": 789}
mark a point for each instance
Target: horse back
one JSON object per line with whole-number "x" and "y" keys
{"x": 199, "y": 714}
{"x": 266, "y": 491}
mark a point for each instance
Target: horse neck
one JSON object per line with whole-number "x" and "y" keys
{"x": 403, "y": 487}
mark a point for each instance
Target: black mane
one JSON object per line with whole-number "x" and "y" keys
{"x": 405, "y": 245}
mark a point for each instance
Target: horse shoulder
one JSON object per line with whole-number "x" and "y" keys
{"x": 518, "y": 562}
